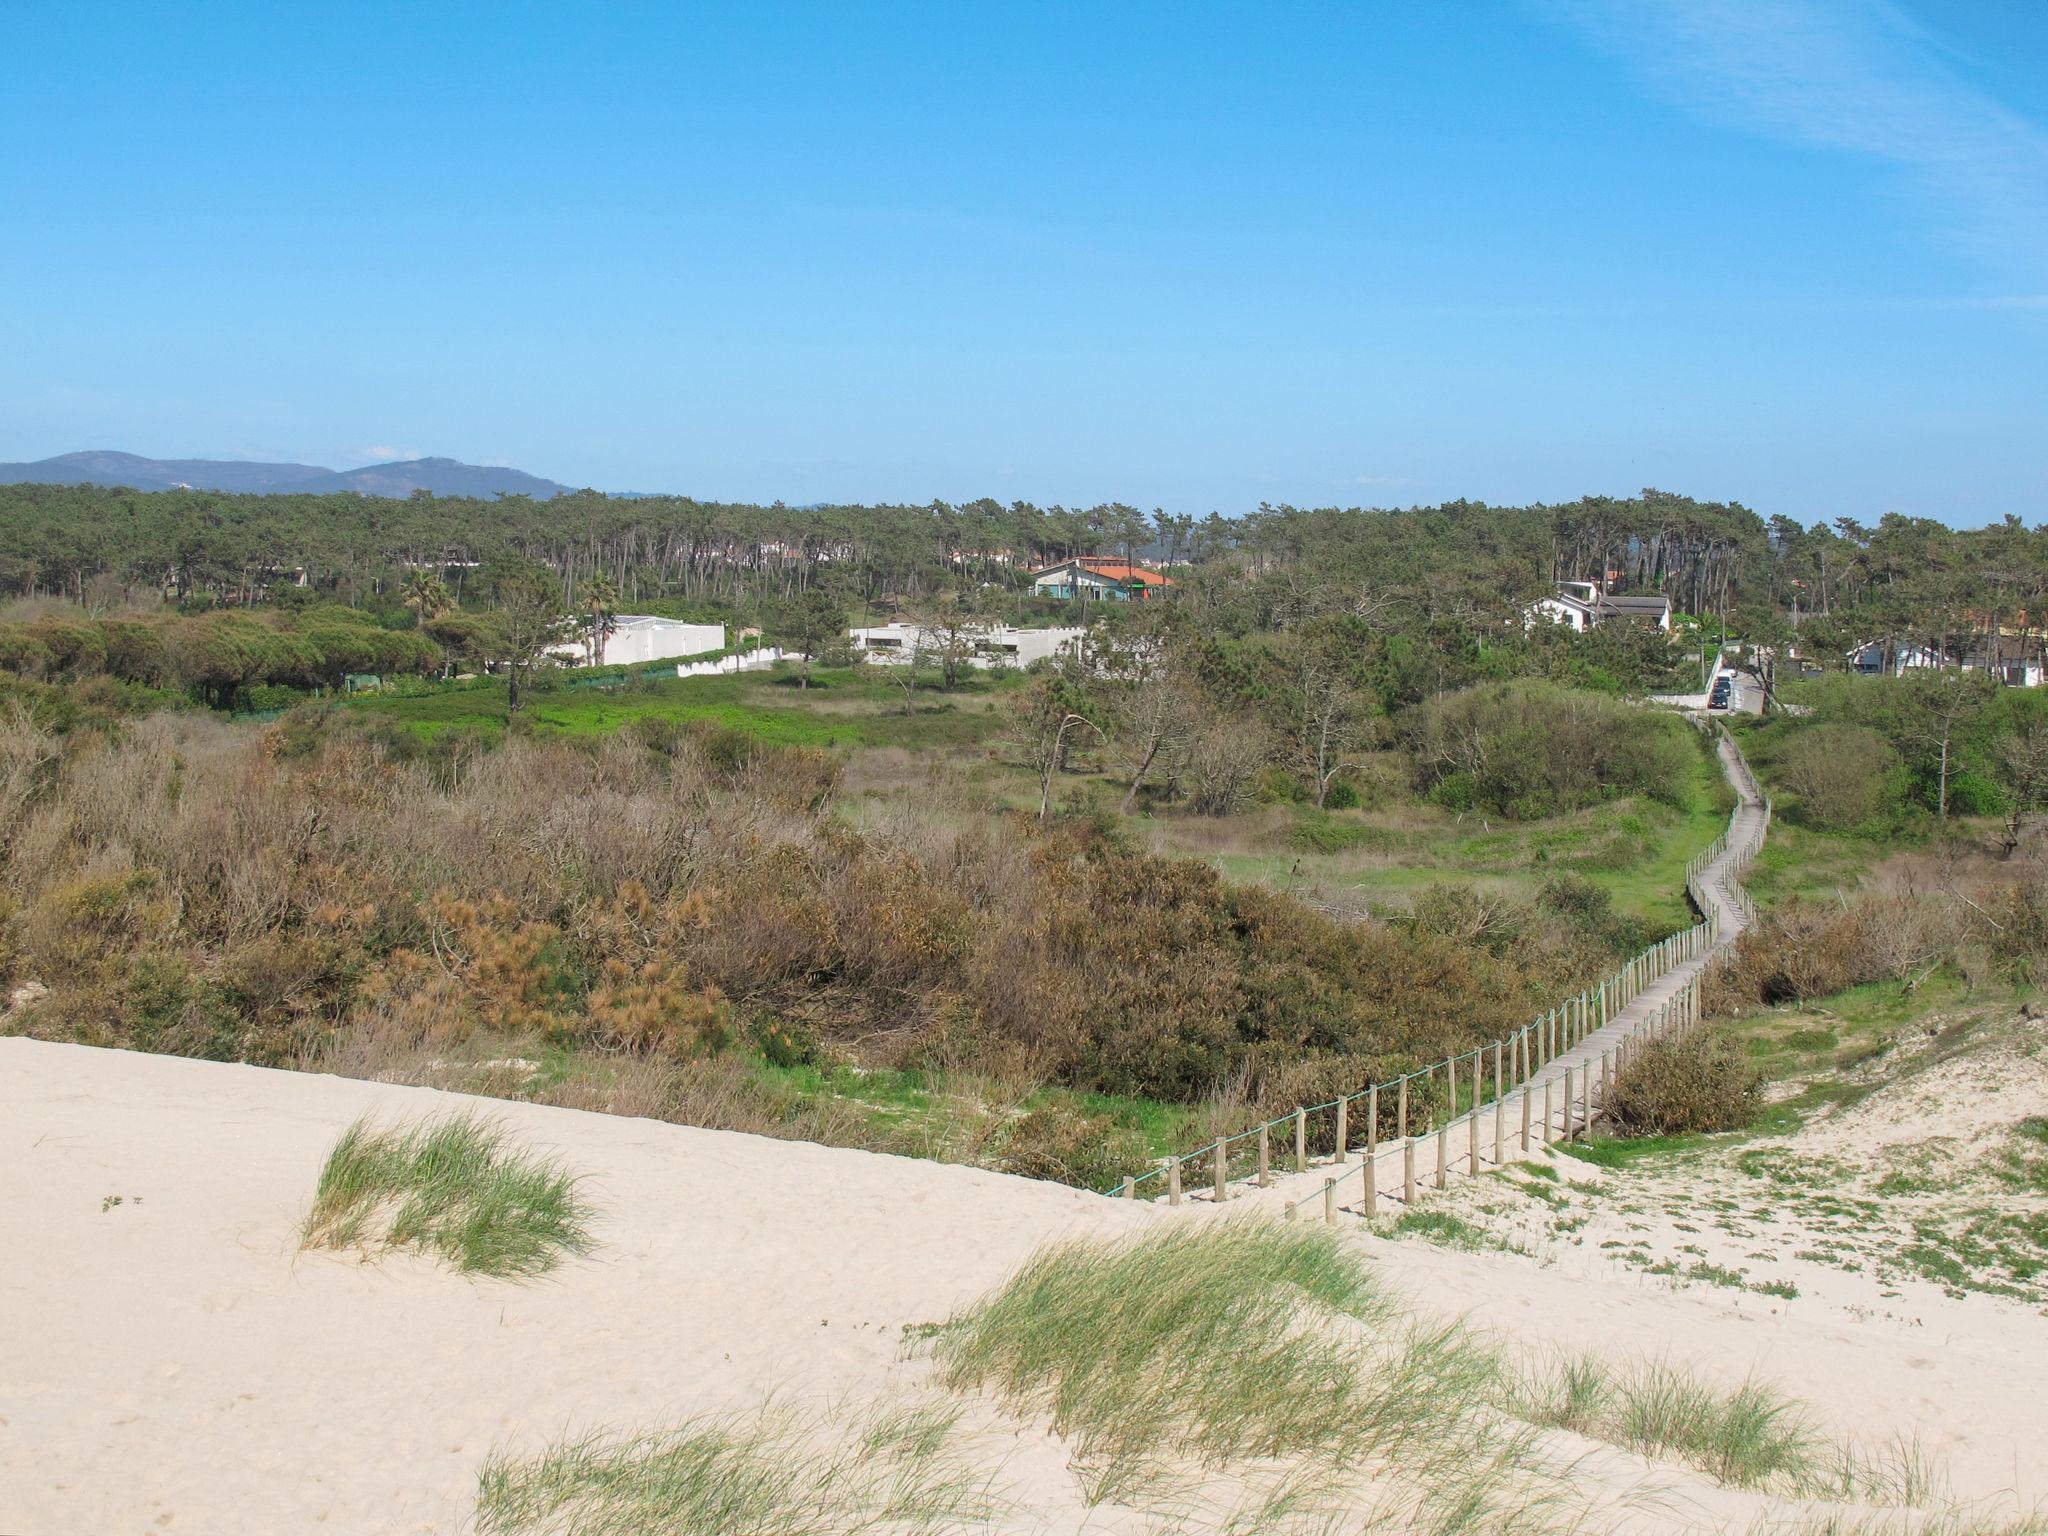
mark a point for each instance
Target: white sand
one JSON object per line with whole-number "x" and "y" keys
{"x": 171, "y": 1364}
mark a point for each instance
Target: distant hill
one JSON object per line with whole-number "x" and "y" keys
{"x": 444, "y": 477}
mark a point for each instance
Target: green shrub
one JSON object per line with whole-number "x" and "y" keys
{"x": 1059, "y": 1143}
{"x": 1322, "y": 834}
{"x": 1837, "y": 772}
{"x": 786, "y": 1042}
{"x": 1694, "y": 1080}
{"x": 1527, "y": 748}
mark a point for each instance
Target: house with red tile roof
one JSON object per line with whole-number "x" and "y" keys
{"x": 1090, "y": 576}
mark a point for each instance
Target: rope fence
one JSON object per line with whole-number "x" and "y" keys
{"x": 1410, "y": 1112}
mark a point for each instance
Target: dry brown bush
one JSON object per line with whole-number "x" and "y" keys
{"x": 309, "y": 894}
{"x": 1694, "y": 1080}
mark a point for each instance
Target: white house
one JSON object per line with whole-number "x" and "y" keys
{"x": 2013, "y": 671}
{"x": 1581, "y": 605}
{"x": 640, "y": 637}
{"x": 1884, "y": 658}
{"x": 1090, "y": 576}
{"x": 995, "y": 645}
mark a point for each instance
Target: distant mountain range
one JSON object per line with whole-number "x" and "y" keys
{"x": 444, "y": 477}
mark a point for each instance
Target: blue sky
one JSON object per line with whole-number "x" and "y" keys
{"x": 1789, "y": 252}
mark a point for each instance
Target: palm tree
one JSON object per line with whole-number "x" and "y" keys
{"x": 427, "y": 595}
{"x": 601, "y": 602}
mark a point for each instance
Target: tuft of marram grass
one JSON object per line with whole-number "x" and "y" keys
{"x": 1952, "y": 1522}
{"x": 456, "y": 1188}
{"x": 895, "y": 1468}
{"x": 1241, "y": 1345}
{"x": 1748, "y": 1436}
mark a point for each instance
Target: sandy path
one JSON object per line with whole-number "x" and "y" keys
{"x": 170, "y": 1364}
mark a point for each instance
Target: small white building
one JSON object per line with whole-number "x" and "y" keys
{"x": 2014, "y": 671}
{"x": 1886, "y": 658}
{"x": 997, "y": 645}
{"x": 1581, "y": 605}
{"x": 639, "y": 637}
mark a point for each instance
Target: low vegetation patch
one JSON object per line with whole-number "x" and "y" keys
{"x": 1217, "y": 1345}
{"x": 1692, "y": 1081}
{"x": 895, "y": 1468}
{"x": 1747, "y": 1436}
{"x": 454, "y": 1188}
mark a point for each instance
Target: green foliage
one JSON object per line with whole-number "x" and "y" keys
{"x": 1837, "y": 774}
{"x": 1060, "y": 1143}
{"x": 218, "y": 655}
{"x": 1748, "y": 1437}
{"x": 1526, "y": 749}
{"x": 456, "y": 1188}
{"x": 888, "y": 1467}
{"x": 1215, "y": 1345}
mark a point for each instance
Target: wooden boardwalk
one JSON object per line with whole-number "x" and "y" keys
{"x": 1562, "y": 1095}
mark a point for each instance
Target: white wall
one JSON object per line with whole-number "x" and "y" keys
{"x": 999, "y": 645}
{"x": 645, "y": 639}
{"x": 755, "y": 660}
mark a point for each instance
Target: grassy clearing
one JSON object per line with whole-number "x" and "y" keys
{"x": 1635, "y": 849}
{"x": 455, "y": 1188}
{"x": 894, "y": 1468}
{"x": 848, "y": 709}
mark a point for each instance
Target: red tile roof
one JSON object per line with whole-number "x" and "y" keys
{"x": 1113, "y": 570}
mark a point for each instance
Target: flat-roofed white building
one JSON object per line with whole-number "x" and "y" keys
{"x": 996, "y": 645}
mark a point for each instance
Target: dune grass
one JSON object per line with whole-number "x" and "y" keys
{"x": 1748, "y": 1436}
{"x": 1893, "y": 1523}
{"x": 893, "y": 1467}
{"x": 1242, "y": 1345}
{"x": 455, "y": 1188}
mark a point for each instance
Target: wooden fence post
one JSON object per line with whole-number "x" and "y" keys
{"x": 1443, "y": 1155}
{"x": 1606, "y": 1080}
{"x": 1408, "y": 1172}
{"x": 1343, "y": 1130}
{"x": 1526, "y": 1092}
{"x": 1330, "y": 1201}
{"x": 1173, "y": 1182}
{"x": 1300, "y": 1139}
{"x": 1549, "y": 1107}
{"x": 1266, "y": 1156}
{"x": 1372, "y": 1187}
{"x": 1222, "y": 1171}
{"x": 1500, "y": 1109}
{"x": 1130, "y": 1189}
{"x": 1472, "y": 1120}
{"x": 1401, "y": 1120}
{"x": 1372, "y": 1120}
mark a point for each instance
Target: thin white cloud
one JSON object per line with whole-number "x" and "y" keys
{"x": 1853, "y": 75}
{"x": 390, "y": 455}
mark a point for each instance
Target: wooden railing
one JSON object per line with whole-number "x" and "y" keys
{"x": 1404, "y": 1112}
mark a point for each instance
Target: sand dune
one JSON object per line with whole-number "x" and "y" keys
{"x": 173, "y": 1364}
